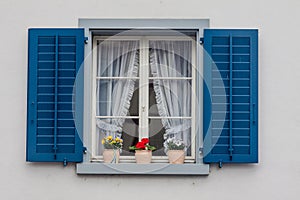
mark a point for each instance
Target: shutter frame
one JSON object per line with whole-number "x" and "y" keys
{"x": 68, "y": 45}
{"x": 214, "y": 153}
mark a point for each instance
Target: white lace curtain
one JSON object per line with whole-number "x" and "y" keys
{"x": 173, "y": 96}
{"x": 115, "y": 59}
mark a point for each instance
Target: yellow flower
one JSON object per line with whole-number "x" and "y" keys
{"x": 117, "y": 139}
{"x": 109, "y": 137}
{"x": 103, "y": 141}
{"x": 112, "y": 142}
{"x": 121, "y": 140}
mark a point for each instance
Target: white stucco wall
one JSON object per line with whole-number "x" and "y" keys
{"x": 277, "y": 176}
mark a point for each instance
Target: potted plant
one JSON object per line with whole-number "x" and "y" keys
{"x": 175, "y": 150}
{"x": 143, "y": 151}
{"x": 112, "y": 147}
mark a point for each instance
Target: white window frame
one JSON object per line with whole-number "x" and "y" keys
{"x": 143, "y": 79}
{"x": 92, "y": 26}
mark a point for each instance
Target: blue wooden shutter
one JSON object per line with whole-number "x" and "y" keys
{"x": 54, "y": 105}
{"x": 230, "y": 96}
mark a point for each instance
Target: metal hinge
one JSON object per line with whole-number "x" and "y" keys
{"x": 230, "y": 152}
{"x": 55, "y": 152}
{"x": 201, "y": 40}
{"x": 84, "y": 150}
{"x": 86, "y": 40}
{"x": 220, "y": 164}
{"x": 65, "y": 162}
{"x": 200, "y": 150}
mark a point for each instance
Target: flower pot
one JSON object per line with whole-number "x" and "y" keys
{"x": 111, "y": 155}
{"x": 176, "y": 156}
{"x": 143, "y": 156}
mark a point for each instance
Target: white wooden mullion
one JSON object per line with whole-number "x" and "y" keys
{"x": 144, "y": 87}
{"x": 146, "y": 90}
{"x": 170, "y": 78}
{"x": 114, "y": 77}
{"x": 93, "y": 105}
{"x": 155, "y": 159}
{"x": 150, "y": 78}
{"x": 117, "y": 117}
{"x": 193, "y": 99}
{"x": 178, "y": 117}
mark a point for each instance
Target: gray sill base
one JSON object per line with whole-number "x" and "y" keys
{"x": 153, "y": 168}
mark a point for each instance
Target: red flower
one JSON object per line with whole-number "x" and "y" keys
{"x": 140, "y": 145}
{"x": 145, "y": 140}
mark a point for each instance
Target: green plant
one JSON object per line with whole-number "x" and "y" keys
{"x": 174, "y": 144}
{"x": 112, "y": 143}
{"x": 142, "y": 145}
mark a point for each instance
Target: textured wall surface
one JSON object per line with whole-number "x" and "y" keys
{"x": 277, "y": 176}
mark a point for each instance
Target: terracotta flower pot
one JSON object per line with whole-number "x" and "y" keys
{"x": 111, "y": 155}
{"x": 176, "y": 156}
{"x": 143, "y": 156}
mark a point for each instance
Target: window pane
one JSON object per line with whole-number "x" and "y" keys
{"x": 156, "y": 134}
{"x": 117, "y": 58}
{"x": 130, "y": 134}
{"x": 182, "y": 131}
{"x": 175, "y": 98}
{"x": 170, "y": 58}
{"x": 111, "y": 95}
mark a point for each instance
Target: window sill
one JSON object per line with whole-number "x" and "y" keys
{"x": 153, "y": 168}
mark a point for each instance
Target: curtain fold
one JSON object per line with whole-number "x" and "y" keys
{"x": 173, "y": 96}
{"x": 115, "y": 59}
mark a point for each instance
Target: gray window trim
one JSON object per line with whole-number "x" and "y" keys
{"x": 90, "y": 25}
{"x": 153, "y": 168}
{"x": 143, "y": 23}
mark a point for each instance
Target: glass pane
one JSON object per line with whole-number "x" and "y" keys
{"x": 157, "y": 131}
{"x": 175, "y": 95}
{"x": 130, "y": 134}
{"x": 117, "y": 58}
{"x": 156, "y": 134}
{"x": 111, "y": 95}
{"x": 170, "y": 58}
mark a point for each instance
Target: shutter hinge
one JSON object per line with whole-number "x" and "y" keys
{"x": 84, "y": 150}
{"x": 65, "y": 162}
{"x": 230, "y": 152}
{"x": 200, "y": 150}
{"x": 86, "y": 40}
{"x": 201, "y": 40}
{"x": 220, "y": 164}
{"x": 55, "y": 152}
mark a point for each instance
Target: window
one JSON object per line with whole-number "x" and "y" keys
{"x": 79, "y": 85}
{"x": 144, "y": 88}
